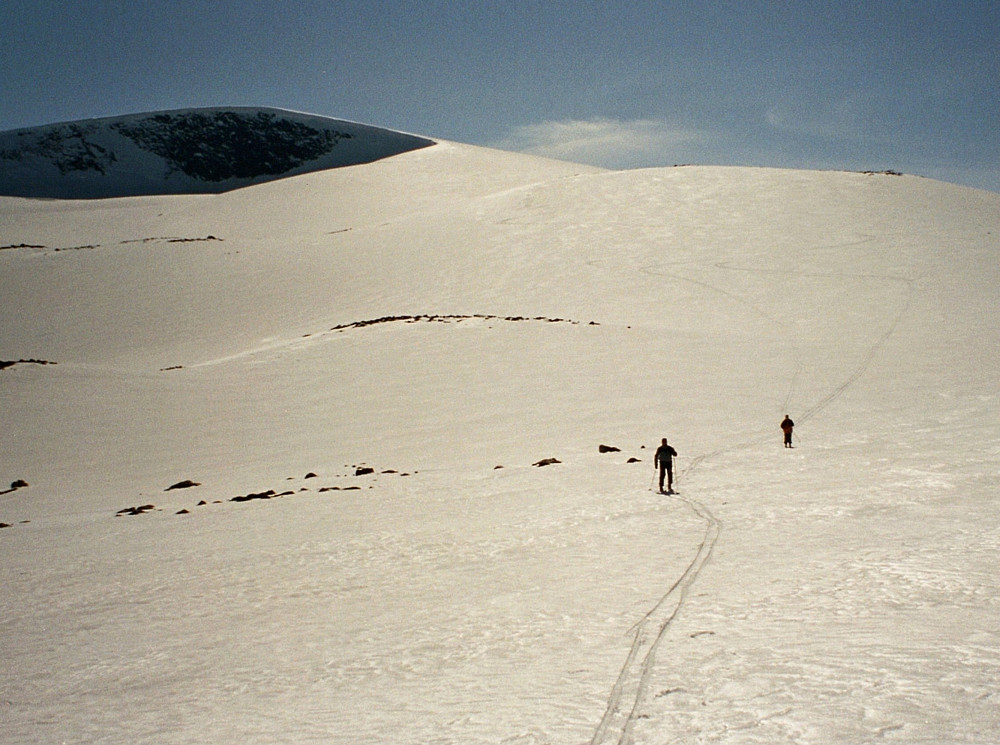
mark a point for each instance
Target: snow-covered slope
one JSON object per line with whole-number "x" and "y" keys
{"x": 448, "y": 317}
{"x": 187, "y": 151}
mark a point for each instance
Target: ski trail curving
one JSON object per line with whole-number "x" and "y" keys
{"x": 794, "y": 351}
{"x": 629, "y": 690}
{"x": 868, "y": 358}
{"x": 908, "y": 282}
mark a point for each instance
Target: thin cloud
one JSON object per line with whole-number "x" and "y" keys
{"x": 609, "y": 143}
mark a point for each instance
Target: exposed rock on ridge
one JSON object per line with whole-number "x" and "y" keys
{"x": 187, "y": 151}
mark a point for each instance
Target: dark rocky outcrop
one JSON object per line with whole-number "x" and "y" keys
{"x": 186, "y": 484}
{"x": 11, "y": 363}
{"x": 434, "y": 318}
{"x": 546, "y": 462}
{"x": 140, "y": 510}
{"x": 185, "y": 151}
{"x": 270, "y": 493}
{"x": 220, "y": 145}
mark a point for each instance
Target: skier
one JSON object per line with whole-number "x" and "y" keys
{"x": 664, "y": 461}
{"x": 786, "y": 426}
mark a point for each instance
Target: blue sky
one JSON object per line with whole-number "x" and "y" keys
{"x": 909, "y": 86}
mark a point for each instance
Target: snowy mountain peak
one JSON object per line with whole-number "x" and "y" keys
{"x": 187, "y": 151}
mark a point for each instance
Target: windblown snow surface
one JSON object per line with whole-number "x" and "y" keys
{"x": 447, "y": 318}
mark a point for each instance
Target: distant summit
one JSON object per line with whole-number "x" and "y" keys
{"x": 187, "y": 151}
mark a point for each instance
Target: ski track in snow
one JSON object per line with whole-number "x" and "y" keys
{"x": 629, "y": 692}
{"x": 868, "y": 358}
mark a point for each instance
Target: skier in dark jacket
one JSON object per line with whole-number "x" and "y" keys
{"x": 664, "y": 461}
{"x": 786, "y": 426}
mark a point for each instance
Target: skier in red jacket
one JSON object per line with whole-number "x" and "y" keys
{"x": 786, "y": 426}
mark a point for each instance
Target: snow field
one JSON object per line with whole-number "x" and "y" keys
{"x": 349, "y": 599}
{"x": 842, "y": 591}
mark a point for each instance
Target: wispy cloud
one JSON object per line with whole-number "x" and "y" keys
{"x": 610, "y": 143}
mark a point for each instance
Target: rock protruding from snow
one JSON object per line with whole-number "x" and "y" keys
{"x": 546, "y": 462}
{"x": 189, "y": 151}
{"x": 185, "y": 484}
{"x": 139, "y": 510}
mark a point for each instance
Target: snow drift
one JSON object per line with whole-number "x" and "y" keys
{"x": 276, "y": 476}
{"x": 189, "y": 151}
